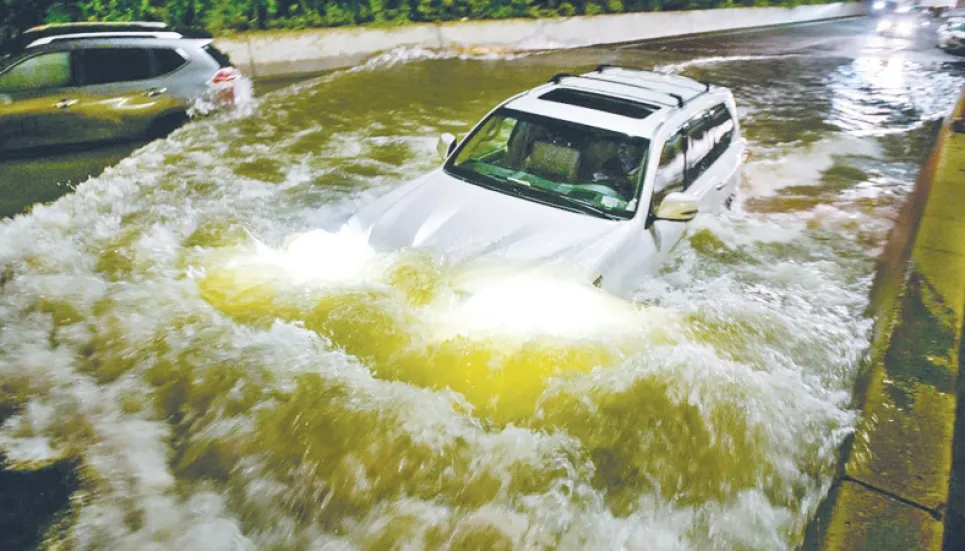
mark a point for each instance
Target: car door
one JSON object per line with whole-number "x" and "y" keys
{"x": 122, "y": 95}
{"x": 35, "y": 97}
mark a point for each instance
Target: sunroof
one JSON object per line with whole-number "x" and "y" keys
{"x": 616, "y": 106}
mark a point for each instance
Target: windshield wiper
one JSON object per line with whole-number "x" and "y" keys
{"x": 487, "y": 181}
{"x": 570, "y": 201}
{"x": 515, "y": 186}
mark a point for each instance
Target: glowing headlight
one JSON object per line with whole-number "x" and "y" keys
{"x": 878, "y": 6}
{"x": 905, "y": 28}
{"x": 903, "y": 9}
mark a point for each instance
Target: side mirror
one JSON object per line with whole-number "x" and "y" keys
{"x": 678, "y": 207}
{"x": 445, "y": 145}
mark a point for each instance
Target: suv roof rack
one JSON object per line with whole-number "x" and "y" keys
{"x": 94, "y": 26}
{"x": 44, "y": 34}
{"x": 650, "y": 75}
{"x": 116, "y": 34}
{"x": 678, "y": 99}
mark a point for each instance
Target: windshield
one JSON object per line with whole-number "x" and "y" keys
{"x": 567, "y": 165}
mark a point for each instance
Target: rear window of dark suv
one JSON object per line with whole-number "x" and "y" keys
{"x": 217, "y": 54}
{"x": 167, "y": 61}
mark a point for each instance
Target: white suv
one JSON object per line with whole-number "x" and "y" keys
{"x": 600, "y": 171}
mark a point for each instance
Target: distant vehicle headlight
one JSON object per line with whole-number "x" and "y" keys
{"x": 878, "y": 5}
{"x": 903, "y": 9}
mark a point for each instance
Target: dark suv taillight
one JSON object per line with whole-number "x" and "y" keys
{"x": 223, "y": 86}
{"x": 225, "y": 75}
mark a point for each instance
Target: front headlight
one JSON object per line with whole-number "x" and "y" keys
{"x": 878, "y": 6}
{"x": 905, "y": 28}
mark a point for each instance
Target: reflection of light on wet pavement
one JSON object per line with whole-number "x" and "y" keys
{"x": 888, "y": 93}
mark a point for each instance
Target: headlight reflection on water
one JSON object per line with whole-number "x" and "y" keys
{"x": 475, "y": 301}
{"x": 496, "y": 334}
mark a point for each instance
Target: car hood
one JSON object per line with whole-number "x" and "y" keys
{"x": 467, "y": 221}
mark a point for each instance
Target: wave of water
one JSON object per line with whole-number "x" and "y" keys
{"x": 718, "y": 60}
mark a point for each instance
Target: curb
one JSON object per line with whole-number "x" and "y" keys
{"x": 892, "y": 489}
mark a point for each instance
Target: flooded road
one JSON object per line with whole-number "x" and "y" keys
{"x": 229, "y": 371}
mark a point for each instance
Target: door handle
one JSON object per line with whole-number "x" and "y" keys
{"x": 154, "y": 92}
{"x": 65, "y": 103}
{"x": 721, "y": 185}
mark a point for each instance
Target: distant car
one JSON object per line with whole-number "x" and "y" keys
{"x": 883, "y": 6}
{"x": 905, "y": 21}
{"x": 600, "y": 171}
{"x": 81, "y": 83}
{"x": 938, "y": 7}
{"x": 951, "y": 35}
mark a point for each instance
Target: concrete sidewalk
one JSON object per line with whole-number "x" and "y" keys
{"x": 893, "y": 488}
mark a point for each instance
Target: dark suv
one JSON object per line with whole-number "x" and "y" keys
{"x": 79, "y": 83}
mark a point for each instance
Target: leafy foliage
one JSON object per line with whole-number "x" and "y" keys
{"x": 222, "y": 16}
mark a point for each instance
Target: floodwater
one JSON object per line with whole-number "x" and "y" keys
{"x": 228, "y": 370}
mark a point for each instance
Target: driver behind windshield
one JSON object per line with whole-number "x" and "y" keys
{"x": 619, "y": 172}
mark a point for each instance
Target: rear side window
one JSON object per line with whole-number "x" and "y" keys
{"x": 723, "y": 124}
{"x": 672, "y": 167}
{"x": 109, "y": 65}
{"x": 167, "y": 61}
{"x": 700, "y": 143}
{"x": 218, "y": 55}
{"x": 50, "y": 70}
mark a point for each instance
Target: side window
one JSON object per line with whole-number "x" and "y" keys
{"x": 219, "y": 56}
{"x": 672, "y": 167}
{"x": 167, "y": 61}
{"x": 109, "y": 65}
{"x": 50, "y": 70}
{"x": 723, "y": 125}
{"x": 700, "y": 142}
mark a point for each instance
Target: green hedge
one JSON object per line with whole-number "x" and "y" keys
{"x": 221, "y": 16}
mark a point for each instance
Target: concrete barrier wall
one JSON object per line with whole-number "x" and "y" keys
{"x": 277, "y": 53}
